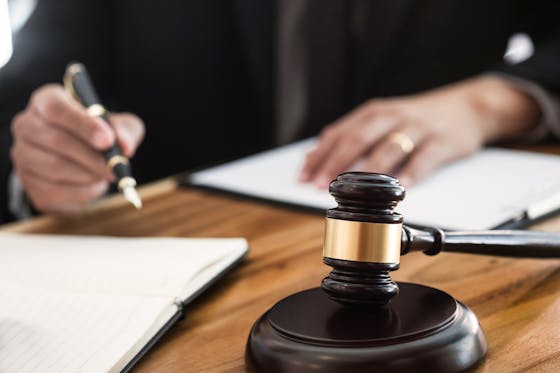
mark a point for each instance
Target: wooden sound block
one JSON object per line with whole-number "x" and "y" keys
{"x": 421, "y": 329}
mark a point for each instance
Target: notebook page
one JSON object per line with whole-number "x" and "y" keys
{"x": 479, "y": 192}
{"x": 50, "y": 331}
{"x": 129, "y": 266}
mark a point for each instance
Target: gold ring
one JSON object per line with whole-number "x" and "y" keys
{"x": 403, "y": 141}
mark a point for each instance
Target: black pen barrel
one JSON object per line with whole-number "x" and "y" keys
{"x": 82, "y": 85}
{"x": 78, "y": 82}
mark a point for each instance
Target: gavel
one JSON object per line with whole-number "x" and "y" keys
{"x": 364, "y": 239}
{"x": 360, "y": 320}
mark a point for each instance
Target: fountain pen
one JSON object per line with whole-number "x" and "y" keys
{"x": 78, "y": 84}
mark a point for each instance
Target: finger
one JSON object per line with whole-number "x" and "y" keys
{"x": 327, "y": 140}
{"x": 59, "y": 109}
{"x": 432, "y": 154}
{"x": 32, "y": 129}
{"x": 376, "y": 119}
{"x": 49, "y": 166}
{"x": 57, "y": 197}
{"x": 357, "y": 141}
{"x": 313, "y": 159}
{"x": 388, "y": 154}
{"x": 130, "y": 131}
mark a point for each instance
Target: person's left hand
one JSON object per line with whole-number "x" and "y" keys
{"x": 411, "y": 136}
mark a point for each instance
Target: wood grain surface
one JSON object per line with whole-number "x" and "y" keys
{"x": 517, "y": 300}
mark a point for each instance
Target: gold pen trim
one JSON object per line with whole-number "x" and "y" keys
{"x": 362, "y": 241}
{"x": 96, "y": 110}
{"x": 126, "y": 181}
{"x": 117, "y": 159}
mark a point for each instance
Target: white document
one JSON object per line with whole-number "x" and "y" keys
{"x": 90, "y": 304}
{"x": 482, "y": 191}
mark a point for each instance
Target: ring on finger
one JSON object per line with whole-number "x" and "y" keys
{"x": 402, "y": 140}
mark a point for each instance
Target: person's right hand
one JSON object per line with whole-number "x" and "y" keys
{"x": 57, "y": 150}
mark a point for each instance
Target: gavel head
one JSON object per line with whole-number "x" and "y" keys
{"x": 363, "y": 239}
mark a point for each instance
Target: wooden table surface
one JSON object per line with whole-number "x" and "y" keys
{"x": 516, "y": 300}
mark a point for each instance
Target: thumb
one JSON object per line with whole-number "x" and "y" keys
{"x": 130, "y": 130}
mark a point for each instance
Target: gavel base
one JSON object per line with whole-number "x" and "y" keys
{"x": 421, "y": 330}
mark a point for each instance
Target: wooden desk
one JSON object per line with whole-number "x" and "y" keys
{"x": 517, "y": 301}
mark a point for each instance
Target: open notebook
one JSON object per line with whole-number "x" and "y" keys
{"x": 493, "y": 188}
{"x": 96, "y": 304}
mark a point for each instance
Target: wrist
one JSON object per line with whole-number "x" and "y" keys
{"x": 504, "y": 110}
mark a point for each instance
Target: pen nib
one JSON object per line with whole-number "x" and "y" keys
{"x": 132, "y": 196}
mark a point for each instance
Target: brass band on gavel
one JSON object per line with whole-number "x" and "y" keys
{"x": 362, "y": 241}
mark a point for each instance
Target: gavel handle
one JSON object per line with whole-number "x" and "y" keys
{"x": 511, "y": 243}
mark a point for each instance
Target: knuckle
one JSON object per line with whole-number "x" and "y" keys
{"x": 42, "y": 93}
{"x": 52, "y": 109}
{"x": 16, "y": 124}
{"x": 38, "y": 95}
{"x": 53, "y": 90}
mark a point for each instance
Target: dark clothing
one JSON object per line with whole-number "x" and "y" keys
{"x": 201, "y": 73}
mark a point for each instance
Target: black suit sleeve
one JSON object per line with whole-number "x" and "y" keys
{"x": 57, "y": 32}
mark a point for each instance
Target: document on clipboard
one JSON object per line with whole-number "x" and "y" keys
{"x": 493, "y": 188}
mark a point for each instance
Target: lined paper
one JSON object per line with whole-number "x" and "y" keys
{"x": 66, "y": 332}
{"x": 89, "y": 304}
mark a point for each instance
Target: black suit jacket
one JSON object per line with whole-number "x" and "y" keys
{"x": 201, "y": 73}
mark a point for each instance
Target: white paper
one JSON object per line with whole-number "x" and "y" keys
{"x": 50, "y": 331}
{"x": 479, "y": 192}
{"x": 89, "y": 304}
{"x": 113, "y": 265}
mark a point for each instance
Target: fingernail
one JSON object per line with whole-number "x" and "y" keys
{"x": 126, "y": 142}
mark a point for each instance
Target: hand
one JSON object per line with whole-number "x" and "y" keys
{"x": 411, "y": 136}
{"x": 57, "y": 150}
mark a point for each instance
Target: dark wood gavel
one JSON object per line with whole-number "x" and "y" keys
{"x": 365, "y": 238}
